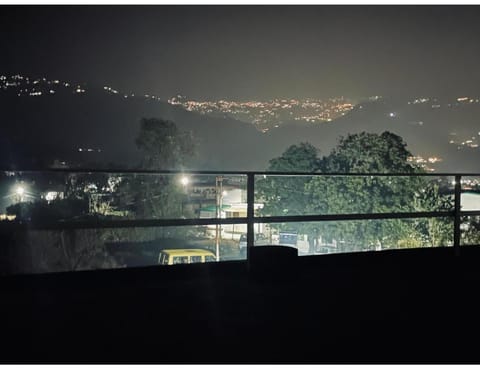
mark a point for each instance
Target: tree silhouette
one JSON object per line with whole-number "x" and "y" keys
{"x": 147, "y": 196}
{"x": 163, "y": 145}
{"x": 336, "y": 194}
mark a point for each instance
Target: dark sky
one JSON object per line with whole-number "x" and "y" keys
{"x": 249, "y": 52}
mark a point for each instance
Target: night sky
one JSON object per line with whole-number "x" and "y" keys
{"x": 249, "y": 52}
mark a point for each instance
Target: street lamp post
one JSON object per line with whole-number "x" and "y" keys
{"x": 20, "y": 192}
{"x": 218, "y": 202}
{"x": 185, "y": 182}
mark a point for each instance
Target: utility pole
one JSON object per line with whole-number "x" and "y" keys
{"x": 218, "y": 198}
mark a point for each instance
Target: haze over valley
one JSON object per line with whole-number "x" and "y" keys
{"x": 81, "y": 124}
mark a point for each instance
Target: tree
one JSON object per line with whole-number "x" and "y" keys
{"x": 366, "y": 153}
{"x": 41, "y": 210}
{"x": 157, "y": 196}
{"x": 284, "y": 195}
{"x": 89, "y": 195}
{"x": 65, "y": 250}
{"x": 297, "y": 158}
{"x": 471, "y": 231}
{"x": 336, "y": 194}
{"x": 370, "y": 153}
{"x": 435, "y": 231}
{"x": 387, "y": 153}
{"x": 163, "y": 145}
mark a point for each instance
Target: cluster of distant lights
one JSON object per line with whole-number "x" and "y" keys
{"x": 471, "y": 142}
{"x": 36, "y": 87}
{"x": 425, "y": 162}
{"x": 272, "y": 111}
{"x": 81, "y": 149}
{"x": 436, "y": 105}
{"x": 258, "y": 112}
{"x": 113, "y": 91}
{"x": 25, "y": 86}
{"x": 469, "y": 183}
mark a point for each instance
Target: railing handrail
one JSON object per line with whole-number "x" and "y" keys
{"x": 251, "y": 219}
{"x": 240, "y": 172}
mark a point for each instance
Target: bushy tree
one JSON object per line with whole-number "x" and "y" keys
{"x": 297, "y": 158}
{"x": 471, "y": 231}
{"x": 147, "y": 196}
{"x": 60, "y": 209}
{"x": 163, "y": 145}
{"x": 62, "y": 250}
{"x": 435, "y": 231}
{"x": 284, "y": 195}
{"x": 336, "y": 194}
{"x": 370, "y": 153}
{"x": 366, "y": 153}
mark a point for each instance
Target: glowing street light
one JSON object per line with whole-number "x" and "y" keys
{"x": 20, "y": 190}
{"x": 184, "y": 180}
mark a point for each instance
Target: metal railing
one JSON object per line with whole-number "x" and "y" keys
{"x": 251, "y": 218}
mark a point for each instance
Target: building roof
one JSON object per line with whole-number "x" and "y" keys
{"x": 214, "y": 208}
{"x": 188, "y": 252}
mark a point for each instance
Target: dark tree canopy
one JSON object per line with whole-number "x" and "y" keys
{"x": 370, "y": 153}
{"x": 301, "y": 158}
{"x": 356, "y": 153}
{"x": 284, "y": 195}
{"x": 163, "y": 145}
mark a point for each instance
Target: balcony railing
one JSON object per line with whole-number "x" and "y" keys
{"x": 251, "y": 218}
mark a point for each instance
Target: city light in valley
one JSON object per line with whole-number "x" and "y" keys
{"x": 271, "y": 113}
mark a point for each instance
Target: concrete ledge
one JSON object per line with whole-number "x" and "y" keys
{"x": 273, "y": 263}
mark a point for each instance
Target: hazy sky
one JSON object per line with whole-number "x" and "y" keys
{"x": 249, "y": 52}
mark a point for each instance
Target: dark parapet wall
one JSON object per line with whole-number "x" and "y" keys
{"x": 408, "y": 306}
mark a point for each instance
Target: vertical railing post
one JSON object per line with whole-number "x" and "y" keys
{"x": 457, "y": 219}
{"x": 250, "y": 211}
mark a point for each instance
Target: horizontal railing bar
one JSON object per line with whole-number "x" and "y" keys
{"x": 127, "y": 223}
{"x": 340, "y": 174}
{"x": 144, "y": 223}
{"x": 124, "y": 171}
{"x": 243, "y": 173}
{"x": 466, "y": 213}
{"x": 343, "y": 217}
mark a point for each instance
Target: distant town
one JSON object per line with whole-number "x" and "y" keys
{"x": 265, "y": 115}
{"x": 272, "y": 113}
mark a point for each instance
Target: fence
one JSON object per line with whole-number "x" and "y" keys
{"x": 251, "y": 218}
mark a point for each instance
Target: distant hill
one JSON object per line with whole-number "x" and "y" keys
{"x": 36, "y": 130}
{"x": 96, "y": 127}
{"x": 429, "y": 132}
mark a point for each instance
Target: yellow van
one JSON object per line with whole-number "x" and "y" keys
{"x": 185, "y": 256}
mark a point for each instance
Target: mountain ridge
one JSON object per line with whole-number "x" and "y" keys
{"x": 97, "y": 126}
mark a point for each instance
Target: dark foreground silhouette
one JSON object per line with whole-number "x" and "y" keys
{"x": 408, "y": 306}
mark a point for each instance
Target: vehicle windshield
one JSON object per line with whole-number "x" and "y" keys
{"x": 195, "y": 259}
{"x": 288, "y": 238}
{"x": 180, "y": 260}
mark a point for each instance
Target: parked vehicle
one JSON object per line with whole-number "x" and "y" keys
{"x": 288, "y": 238}
{"x": 293, "y": 239}
{"x": 185, "y": 256}
{"x": 260, "y": 239}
